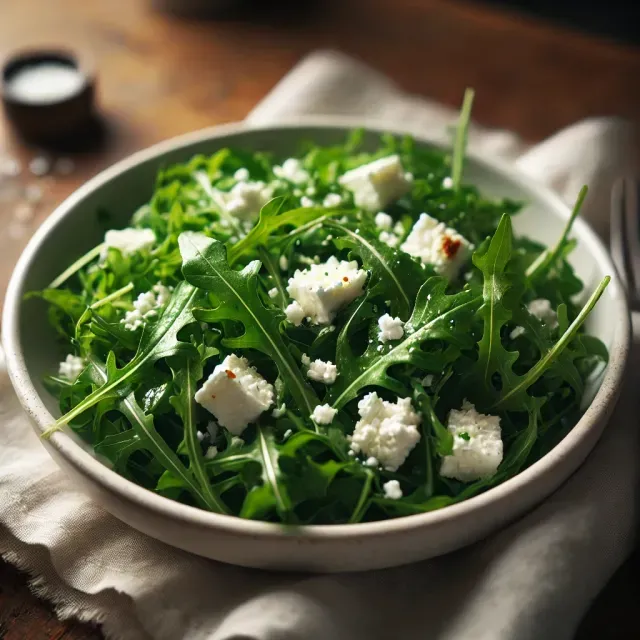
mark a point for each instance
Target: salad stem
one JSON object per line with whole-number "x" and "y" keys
{"x": 460, "y": 143}
{"x": 269, "y": 264}
{"x": 363, "y": 500}
{"x": 77, "y": 265}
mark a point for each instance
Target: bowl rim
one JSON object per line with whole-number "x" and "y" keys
{"x": 87, "y": 465}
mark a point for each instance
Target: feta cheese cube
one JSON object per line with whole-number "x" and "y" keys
{"x": 323, "y": 288}
{"x": 477, "y": 445}
{"x": 436, "y": 244}
{"x": 128, "y": 241}
{"x": 390, "y": 328}
{"x": 332, "y": 200}
{"x": 323, "y": 414}
{"x": 245, "y": 199}
{"x": 377, "y": 184}
{"x": 321, "y": 371}
{"x": 235, "y": 393}
{"x": 292, "y": 171}
{"x": 392, "y": 490}
{"x": 71, "y": 367}
{"x": 386, "y": 431}
{"x": 541, "y": 309}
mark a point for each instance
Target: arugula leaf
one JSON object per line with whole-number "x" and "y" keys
{"x": 395, "y": 275}
{"x": 436, "y": 316}
{"x": 205, "y": 266}
{"x": 159, "y": 342}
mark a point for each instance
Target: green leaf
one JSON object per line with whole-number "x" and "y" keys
{"x": 395, "y": 275}
{"x": 161, "y": 341}
{"x": 436, "y": 316}
{"x": 273, "y": 218}
{"x": 186, "y": 376}
{"x": 205, "y": 266}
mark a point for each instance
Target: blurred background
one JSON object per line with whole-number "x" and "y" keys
{"x": 159, "y": 68}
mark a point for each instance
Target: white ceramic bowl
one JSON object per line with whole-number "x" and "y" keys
{"x": 31, "y": 352}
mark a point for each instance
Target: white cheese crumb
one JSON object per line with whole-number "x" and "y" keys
{"x": 129, "y": 240}
{"x": 71, "y": 367}
{"x": 541, "y": 309}
{"x": 390, "y": 328}
{"x": 322, "y": 371}
{"x": 386, "y": 431}
{"x": 295, "y": 313}
{"x": 310, "y": 191}
{"x": 146, "y": 305}
{"x": 212, "y": 429}
{"x": 323, "y": 414}
{"x": 377, "y": 184}
{"x": 323, "y": 288}
{"x": 390, "y": 239}
{"x": 235, "y": 393}
{"x": 305, "y": 201}
{"x": 284, "y": 263}
{"x": 305, "y": 359}
{"x": 517, "y": 332}
{"x": 332, "y": 200}
{"x": 392, "y": 490}
{"x": 245, "y": 199}
{"x": 383, "y": 220}
{"x": 371, "y": 462}
{"x": 211, "y": 453}
{"x": 200, "y": 436}
{"x": 436, "y": 244}
{"x": 447, "y": 183}
{"x": 273, "y": 293}
{"x": 241, "y": 175}
{"x": 287, "y": 434}
{"x": 427, "y": 381}
{"x": 477, "y": 445}
{"x": 278, "y": 412}
{"x": 292, "y": 171}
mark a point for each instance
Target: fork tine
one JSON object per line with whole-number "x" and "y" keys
{"x": 632, "y": 235}
{"x": 617, "y": 235}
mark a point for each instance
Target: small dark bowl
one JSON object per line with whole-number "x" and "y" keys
{"x": 51, "y": 121}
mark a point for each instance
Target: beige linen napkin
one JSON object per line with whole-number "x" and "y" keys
{"x": 534, "y": 579}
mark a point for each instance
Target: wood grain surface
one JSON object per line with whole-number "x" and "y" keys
{"x": 161, "y": 75}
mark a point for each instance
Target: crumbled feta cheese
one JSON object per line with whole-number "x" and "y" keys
{"x": 129, "y": 240}
{"x": 392, "y": 490}
{"x": 517, "y": 332}
{"x": 477, "y": 445}
{"x": 273, "y": 293}
{"x": 241, "y": 175}
{"x": 212, "y": 429}
{"x": 371, "y": 462}
{"x": 322, "y": 371}
{"x": 541, "y": 309}
{"x": 398, "y": 228}
{"x": 332, "y": 200}
{"x": 235, "y": 393}
{"x": 323, "y": 414}
{"x": 146, "y": 305}
{"x": 436, "y": 244}
{"x": 71, "y": 367}
{"x": 292, "y": 171}
{"x": 245, "y": 199}
{"x": 390, "y": 328}
{"x": 386, "y": 431}
{"x": 377, "y": 184}
{"x": 284, "y": 263}
{"x": 305, "y": 359}
{"x": 383, "y": 220}
{"x": 295, "y": 313}
{"x": 310, "y": 191}
{"x": 305, "y": 201}
{"x": 323, "y": 288}
{"x": 278, "y": 412}
{"x": 427, "y": 381}
{"x": 211, "y": 453}
{"x": 389, "y": 239}
{"x": 447, "y": 183}
{"x": 200, "y": 436}
{"x": 287, "y": 434}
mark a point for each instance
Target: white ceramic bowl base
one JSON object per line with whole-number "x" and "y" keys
{"x": 31, "y": 353}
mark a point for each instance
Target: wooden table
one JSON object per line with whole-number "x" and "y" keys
{"x": 160, "y": 76}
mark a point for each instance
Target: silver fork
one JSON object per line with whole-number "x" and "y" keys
{"x": 625, "y": 235}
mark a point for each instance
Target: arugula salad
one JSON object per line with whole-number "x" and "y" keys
{"x": 336, "y": 337}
